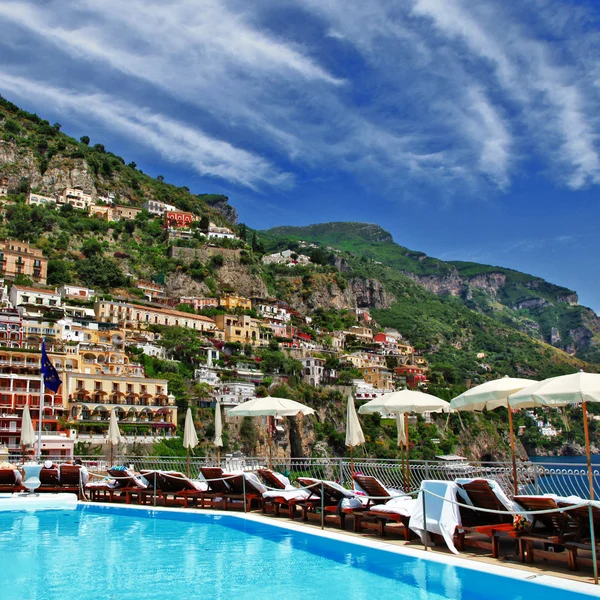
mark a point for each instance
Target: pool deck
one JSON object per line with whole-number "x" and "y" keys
{"x": 509, "y": 565}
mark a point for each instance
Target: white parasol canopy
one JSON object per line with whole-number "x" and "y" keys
{"x": 270, "y": 407}
{"x": 559, "y": 391}
{"x": 354, "y": 434}
{"x": 577, "y": 388}
{"x": 218, "y": 441}
{"x": 190, "y": 438}
{"x": 491, "y": 394}
{"x": 405, "y": 401}
{"x": 27, "y": 431}
{"x": 114, "y": 435}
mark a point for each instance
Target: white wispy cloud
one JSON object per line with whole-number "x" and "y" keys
{"x": 456, "y": 95}
{"x": 173, "y": 139}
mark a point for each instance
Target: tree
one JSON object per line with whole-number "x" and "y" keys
{"x": 84, "y": 139}
{"x": 204, "y": 223}
{"x": 56, "y": 127}
{"x": 91, "y": 247}
{"x": 101, "y": 272}
{"x": 99, "y": 148}
{"x": 160, "y": 177}
{"x": 58, "y": 272}
{"x": 132, "y": 165}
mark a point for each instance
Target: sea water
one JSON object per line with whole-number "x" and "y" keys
{"x": 101, "y": 553}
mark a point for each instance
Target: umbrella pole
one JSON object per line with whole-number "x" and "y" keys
{"x": 112, "y": 448}
{"x": 512, "y": 451}
{"x": 587, "y": 449}
{"x": 351, "y": 467}
{"x": 407, "y": 487}
{"x": 218, "y": 456}
{"x": 187, "y": 465}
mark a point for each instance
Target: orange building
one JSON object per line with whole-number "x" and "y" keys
{"x": 19, "y": 258}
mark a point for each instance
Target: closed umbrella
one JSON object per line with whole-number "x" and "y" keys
{"x": 577, "y": 388}
{"x": 405, "y": 402}
{"x": 190, "y": 438}
{"x": 114, "y": 435}
{"x": 218, "y": 441}
{"x": 491, "y": 395}
{"x": 354, "y": 434}
{"x": 270, "y": 406}
{"x": 27, "y": 430}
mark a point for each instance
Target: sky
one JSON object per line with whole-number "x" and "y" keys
{"x": 469, "y": 130}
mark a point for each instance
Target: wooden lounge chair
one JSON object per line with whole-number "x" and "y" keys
{"x": 125, "y": 486}
{"x": 377, "y": 518}
{"x": 477, "y": 524}
{"x": 271, "y": 479}
{"x": 72, "y": 478}
{"x": 333, "y": 495}
{"x": 11, "y": 481}
{"x": 49, "y": 480}
{"x": 551, "y": 530}
{"x": 279, "y": 496}
{"x": 168, "y": 488}
{"x": 244, "y": 487}
{"x": 582, "y": 540}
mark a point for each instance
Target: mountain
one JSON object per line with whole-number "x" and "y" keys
{"x": 37, "y": 156}
{"x": 544, "y": 311}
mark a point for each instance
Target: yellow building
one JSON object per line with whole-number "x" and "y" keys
{"x": 231, "y": 302}
{"x": 19, "y": 258}
{"x": 379, "y": 377}
{"x": 140, "y": 402}
{"x": 138, "y": 316}
{"x": 243, "y": 329}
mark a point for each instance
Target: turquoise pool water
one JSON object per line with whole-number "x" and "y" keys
{"x": 101, "y": 553}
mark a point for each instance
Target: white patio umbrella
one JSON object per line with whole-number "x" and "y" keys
{"x": 218, "y": 441}
{"x": 405, "y": 402}
{"x": 270, "y": 406}
{"x": 190, "y": 437}
{"x": 27, "y": 430}
{"x": 577, "y": 388}
{"x": 114, "y": 435}
{"x": 354, "y": 433}
{"x": 489, "y": 396}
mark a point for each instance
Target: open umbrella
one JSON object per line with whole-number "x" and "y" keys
{"x": 27, "y": 430}
{"x": 577, "y": 388}
{"x": 491, "y": 395}
{"x": 354, "y": 434}
{"x": 270, "y": 406}
{"x": 114, "y": 435}
{"x": 218, "y": 441}
{"x": 405, "y": 402}
{"x": 190, "y": 438}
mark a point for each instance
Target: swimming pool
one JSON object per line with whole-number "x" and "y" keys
{"x": 102, "y": 552}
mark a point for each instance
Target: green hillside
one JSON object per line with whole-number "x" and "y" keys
{"x": 523, "y": 302}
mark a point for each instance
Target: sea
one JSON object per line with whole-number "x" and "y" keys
{"x": 565, "y": 476}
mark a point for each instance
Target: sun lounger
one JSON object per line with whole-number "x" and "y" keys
{"x": 281, "y": 495}
{"x": 475, "y": 525}
{"x": 582, "y": 540}
{"x": 337, "y": 502}
{"x": 49, "y": 480}
{"x": 171, "y": 488}
{"x": 551, "y": 530}
{"x": 394, "y": 513}
{"x": 372, "y": 487}
{"x": 124, "y": 486}
{"x": 246, "y": 490}
{"x": 11, "y": 481}
{"x": 273, "y": 479}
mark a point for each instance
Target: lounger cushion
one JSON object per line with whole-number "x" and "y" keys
{"x": 401, "y": 505}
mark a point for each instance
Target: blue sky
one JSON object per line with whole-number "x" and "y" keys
{"x": 467, "y": 129}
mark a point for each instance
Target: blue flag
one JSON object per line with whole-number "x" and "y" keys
{"x": 51, "y": 379}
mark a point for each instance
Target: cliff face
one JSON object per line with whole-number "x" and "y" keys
{"x": 222, "y": 206}
{"x": 233, "y": 274}
{"x": 324, "y": 291}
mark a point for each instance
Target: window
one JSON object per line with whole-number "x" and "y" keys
{"x": 39, "y": 300}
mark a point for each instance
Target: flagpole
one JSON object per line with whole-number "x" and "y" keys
{"x": 42, "y": 393}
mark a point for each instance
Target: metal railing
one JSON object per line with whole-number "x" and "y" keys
{"x": 533, "y": 478}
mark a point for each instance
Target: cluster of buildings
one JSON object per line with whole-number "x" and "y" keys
{"x": 286, "y": 257}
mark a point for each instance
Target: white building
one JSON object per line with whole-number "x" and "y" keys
{"x": 285, "y": 258}
{"x": 30, "y": 301}
{"x": 274, "y": 311}
{"x": 207, "y": 375}
{"x": 79, "y": 312}
{"x": 234, "y": 393}
{"x": 38, "y": 199}
{"x": 76, "y": 292}
{"x": 222, "y": 233}
{"x": 153, "y": 350}
{"x": 313, "y": 370}
{"x": 154, "y": 207}
{"x": 77, "y": 198}
{"x": 365, "y": 391}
